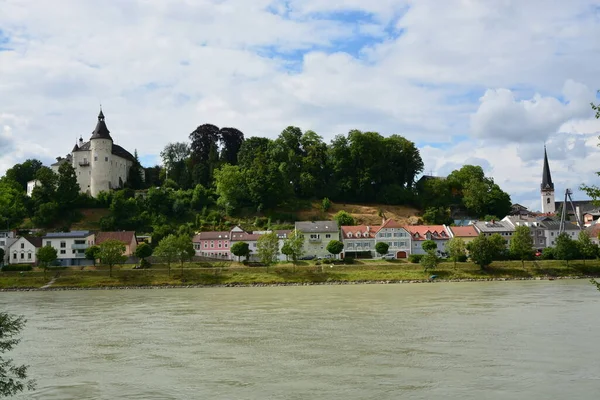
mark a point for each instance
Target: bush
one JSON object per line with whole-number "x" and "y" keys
{"x": 462, "y": 258}
{"x": 548, "y": 253}
{"x": 415, "y": 258}
{"x": 17, "y": 267}
{"x": 145, "y": 263}
{"x": 318, "y": 263}
{"x": 349, "y": 260}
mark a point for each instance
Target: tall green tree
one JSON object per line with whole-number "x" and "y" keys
{"x": 230, "y": 183}
{"x": 429, "y": 245}
{"x": 23, "y": 173}
{"x": 204, "y": 155}
{"x": 521, "y": 244}
{"x": 587, "y": 248}
{"x": 112, "y": 252}
{"x": 13, "y": 378}
{"x": 167, "y": 250}
{"x": 67, "y": 191}
{"x": 13, "y": 204}
{"x": 483, "y": 250}
{"x": 92, "y": 253}
{"x": 382, "y": 248}
{"x": 343, "y": 218}
{"x": 293, "y": 246}
{"x": 456, "y": 249}
{"x": 565, "y": 248}
{"x": 185, "y": 250}
{"x": 231, "y": 140}
{"x": 46, "y": 256}
{"x": 268, "y": 248}
{"x": 175, "y": 158}
{"x": 430, "y": 260}
{"x": 136, "y": 174}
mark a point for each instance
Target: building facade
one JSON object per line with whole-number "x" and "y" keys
{"x": 317, "y": 236}
{"x": 359, "y": 241}
{"x": 24, "y": 250}
{"x": 128, "y": 238}
{"x": 396, "y": 236}
{"x": 421, "y": 233}
{"x": 70, "y": 246}
{"x": 213, "y": 244}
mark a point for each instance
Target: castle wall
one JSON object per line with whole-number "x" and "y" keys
{"x": 101, "y": 158}
{"x": 83, "y": 169}
{"x": 119, "y": 170}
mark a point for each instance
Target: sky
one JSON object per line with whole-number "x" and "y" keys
{"x": 470, "y": 82}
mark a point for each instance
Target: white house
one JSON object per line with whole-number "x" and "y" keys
{"x": 100, "y": 164}
{"x": 317, "y": 235}
{"x": 396, "y": 236}
{"x": 488, "y": 228}
{"x": 552, "y": 228}
{"x": 70, "y": 246}
{"x": 421, "y": 233}
{"x": 24, "y": 250}
{"x": 359, "y": 241}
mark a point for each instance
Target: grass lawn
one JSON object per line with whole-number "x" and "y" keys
{"x": 305, "y": 272}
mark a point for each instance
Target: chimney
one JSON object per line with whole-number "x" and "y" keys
{"x": 382, "y": 220}
{"x": 493, "y": 222}
{"x": 368, "y": 229}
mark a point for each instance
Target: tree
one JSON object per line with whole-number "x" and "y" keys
{"x": 325, "y": 204}
{"x": 204, "y": 153}
{"x": 143, "y": 251}
{"x": 335, "y": 247}
{"x": 343, "y": 218}
{"x": 92, "y": 253}
{"x": 67, "y": 191}
{"x": 498, "y": 245}
{"x": 482, "y": 251}
{"x": 167, "y": 250}
{"x": 185, "y": 249}
{"x": 429, "y": 245}
{"x": 565, "y": 248}
{"x": 136, "y": 174}
{"x": 23, "y": 173}
{"x": 240, "y": 249}
{"x": 46, "y": 255}
{"x": 587, "y": 248}
{"x": 594, "y": 191}
{"x": 382, "y": 248}
{"x": 231, "y": 140}
{"x": 293, "y": 246}
{"x": 268, "y": 248}
{"x": 13, "y": 202}
{"x": 521, "y": 244}
{"x": 13, "y": 378}
{"x": 111, "y": 253}
{"x": 430, "y": 260}
{"x": 230, "y": 183}
{"x": 437, "y": 215}
{"x": 456, "y": 249}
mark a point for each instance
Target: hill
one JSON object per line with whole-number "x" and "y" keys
{"x": 367, "y": 214}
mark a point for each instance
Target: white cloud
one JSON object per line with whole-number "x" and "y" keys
{"x": 162, "y": 68}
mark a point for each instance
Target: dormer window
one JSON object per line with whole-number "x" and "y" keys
{"x": 349, "y": 234}
{"x": 365, "y": 234}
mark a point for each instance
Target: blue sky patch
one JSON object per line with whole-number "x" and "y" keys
{"x": 4, "y": 41}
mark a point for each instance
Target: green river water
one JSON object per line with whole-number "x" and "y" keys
{"x": 497, "y": 340}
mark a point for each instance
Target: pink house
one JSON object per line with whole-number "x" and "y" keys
{"x": 213, "y": 244}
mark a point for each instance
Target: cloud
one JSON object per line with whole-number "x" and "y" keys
{"x": 415, "y": 68}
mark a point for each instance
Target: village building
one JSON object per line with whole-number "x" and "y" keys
{"x": 23, "y": 250}
{"x": 466, "y": 233}
{"x": 213, "y": 244}
{"x": 421, "y": 233}
{"x": 128, "y": 238}
{"x": 317, "y": 235}
{"x": 396, "y": 236}
{"x": 489, "y": 228}
{"x": 535, "y": 226}
{"x": 359, "y": 241}
{"x": 70, "y": 246}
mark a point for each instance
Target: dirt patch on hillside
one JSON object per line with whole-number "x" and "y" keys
{"x": 368, "y": 214}
{"x": 91, "y": 218}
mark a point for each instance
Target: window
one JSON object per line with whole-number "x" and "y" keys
{"x": 212, "y": 244}
{"x": 48, "y": 243}
{"x": 220, "y": 244}
{"x": 327, "y": 236}
{"x": 63, "y": 252}
{"x": 22, "y": 256}
{"x": 2, "y": 243}
{"x": 29, "y": 256}
{"x": 548, "y": 200}
{"x": 14, "y": 256}
{"x": 73, "y": 251}
{"x": 95, "y": 158}
{"x": 315, "y": 236}
{"x": 22, "y": 245}
{"x": 396, "y": 244}
{"x": 226, "y": 244}
{"x": 63, "y": 245}
{"x": 106, "y": 159}
{"x": 396, "y": 234}
{"x": 552, "y": 234}
{"x": 205, "y": 245}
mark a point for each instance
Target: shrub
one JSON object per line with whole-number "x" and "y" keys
{"x": 548, "y": 253}
{"x": 462, "y": 258}
{"x": 415, "y": 258}
{"x": 349, "y": 260}
{"x": 17, "y": 267}
{"x": 318, "y": 263}
{"x": 145, "y": 263}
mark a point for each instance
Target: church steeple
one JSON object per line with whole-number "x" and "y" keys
{"x": 101, "y": 131}
{"x": 546, "y": 177}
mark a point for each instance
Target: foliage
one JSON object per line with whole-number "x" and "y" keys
{"x": 13, "y": 378}
{"x": 185, "y": 249}
{"x": 548, "y": 253}
{"x": 343, "y": 218}
{"x": 17, "y": 267}
{"x": 483, "y": 249}
{"x": 415, "y": 258}
{"x": 293, "y": 246}
{"x": 267, "y": 248}
{"x": 335, "y": 247}
{"x": 382, "y": 248}
{"x": 240, "y": 249}
{"x": 437, "y": 216}
{"x": 565, "y": 248}
{"x": 92, "y": 253}
{"x": 67, "y": 190}
{"x": 587, "y": 248}
{"x": 136, "y": 174}
{"x": 456, "y": 249}
{"x": 167, "y": 250}
{"x": 429, "y": 245}
{"x": 2, "y": 254}
{"x": 46, "y": 256}
{"x": 143, "y": 251}
{"x": 111, "y": 253}
{"x": 325, "y": 204}
{"x": 430, "y": 260}
{"x": 521, "y": 244}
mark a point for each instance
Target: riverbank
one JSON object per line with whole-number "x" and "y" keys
{"x": 194, "y": 276}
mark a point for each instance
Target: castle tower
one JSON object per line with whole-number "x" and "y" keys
{"x": 101, "y": 152}
{"x": 547, "y": 188}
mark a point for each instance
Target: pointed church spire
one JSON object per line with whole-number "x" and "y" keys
{"x": 546, "y": 177}
{"x": 101, "y": 131}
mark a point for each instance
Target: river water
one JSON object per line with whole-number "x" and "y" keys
{"x": 497, "y": 340}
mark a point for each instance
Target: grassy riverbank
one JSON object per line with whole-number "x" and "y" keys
{"x": 235, "y": 274}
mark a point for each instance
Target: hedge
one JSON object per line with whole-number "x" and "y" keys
{"x": 17, "y": 267}
{"x": 415, "y": 258}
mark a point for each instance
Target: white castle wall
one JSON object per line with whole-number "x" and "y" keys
{"x": 101, "y": 150}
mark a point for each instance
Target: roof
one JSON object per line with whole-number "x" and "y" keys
{"x": 555, "y": 225}
{"x": 316, "y": 226}
{"x": 284, "y": 233}
{"x": 493, "y": 226}
{"x": 101, "y": 131}
{"x": 61, "y": 161}
{"x": 244, "y": 236}
{"x": 464, "y": 231}
{"x": 211, "y": 236}
{"x": 124, "y": 237}
{"x": 428, "y": 232}
{"x": 546, "y": 177}
{"x": 116, "y": 150}
{"x": 390, "y": 223}
{"x": 584, "y": 206}
{"x": 36, "y": 241}
{"x": 72, "y": 234}
{"x": 359, "y": 229}
{"x": 593, "y": 230}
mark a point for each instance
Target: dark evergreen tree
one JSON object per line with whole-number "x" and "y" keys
{"x": 231, "y": 142}
{"x": 67, "y": 191}
{"x": 135, "y": 178}
{"x": 204, "y": 153}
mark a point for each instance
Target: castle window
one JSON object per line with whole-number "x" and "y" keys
{"x": 95, "y": 158}
{"x": 106, "y": 159}
{"x": 548, "y": 200}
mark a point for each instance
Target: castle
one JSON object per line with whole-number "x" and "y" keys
{"x": 100, "y": 164}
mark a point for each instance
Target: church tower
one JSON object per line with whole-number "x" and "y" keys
{"x": 101, "y": 153}
{"x": 547, "y": 188}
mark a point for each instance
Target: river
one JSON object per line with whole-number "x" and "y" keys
{"x": 493, "y": 340}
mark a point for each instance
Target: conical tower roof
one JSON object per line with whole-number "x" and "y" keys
{"x": 546, "y": 177}
{"x": 101, "y": 131}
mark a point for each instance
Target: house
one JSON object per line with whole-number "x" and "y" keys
{"x": 552, "y": 227}
{"x": 213, "y": 244}
{"x": 421, "y": 233}
{"x": 538, "y": 233}
{"x": 359, "y": 241}
{"x": 239, "y": 235}
{"x": 282, "y": 235}
{"x": 70, "y": 246}
{"x": 594, "y": 232}
{"x": 128, "y": 238}
{"x": 100, "y": 164}
{"x": 396, "y": 236}
{"x": 466, "y": 233}
{"x": 489, "y": 228}
{"x": 5, "y": 237}
{"x": 24, "y": 250}
{"x": 317, "y": 235}
{"x": 518, "y": 209}
{"x": 590, "y": 217}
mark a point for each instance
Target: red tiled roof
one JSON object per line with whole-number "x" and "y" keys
{"x": 464, "y": 231}
{"x": 123, "y": 237}
{"x": 355, "y": 229}
{"x": 390, "y": 223}
{"x": 211, "y": 236}
{"x": 419, "y": 232}
{"x": 593, "y": 230}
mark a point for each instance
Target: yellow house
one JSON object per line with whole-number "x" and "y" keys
{"x": 466, "y": 233}
{"x": 317, "y": 235}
